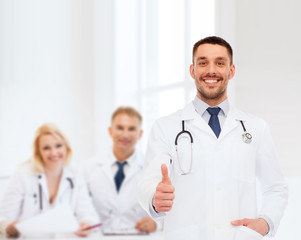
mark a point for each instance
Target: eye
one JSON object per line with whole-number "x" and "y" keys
{"x": 59, "y": 145}
{"x": 202, "y": 63}
{"x": 132, "y": 129}
{"x": 46, "y": 148}
{"x": 220, "y": 63}
{"x": 119, "y": 127}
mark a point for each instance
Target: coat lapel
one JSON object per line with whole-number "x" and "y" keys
{"x": 232, "y": 122}
{"x": 136, "y": 166}
{"x": 189, "y": 113}
{"x": 106, "y": 168}
{"x": 44, "y": 195}
{"x": 65, "y": 183}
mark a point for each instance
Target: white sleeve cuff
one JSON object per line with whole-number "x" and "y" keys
{"x": 3, "y": 225}
{"x": 155, "y": 215}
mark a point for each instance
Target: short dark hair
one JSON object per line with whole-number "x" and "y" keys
{"x": 128, "y": 111}
{"x": 213, "y": 40}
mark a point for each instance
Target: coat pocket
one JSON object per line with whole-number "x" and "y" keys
{"x": 245, "y": 233}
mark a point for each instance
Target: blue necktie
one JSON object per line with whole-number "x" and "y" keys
{"x": 119, "y": 175}
{"x": 213, "y": 121}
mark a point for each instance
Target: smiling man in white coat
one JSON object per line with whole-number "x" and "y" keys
{"x": 202, "y": 162}
{"x": 112, "y": 178}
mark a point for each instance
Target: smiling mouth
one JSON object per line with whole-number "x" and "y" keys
{"x": 55, "y": 159}
{"x": 211, "y": 80}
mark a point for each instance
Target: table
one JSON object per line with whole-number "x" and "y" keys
{"x": 97, "y": 235}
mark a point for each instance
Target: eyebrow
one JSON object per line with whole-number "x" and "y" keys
{"x": 131, "y": 126}
{"x": 218, "y": 58}
{"x": 201, "y": 58}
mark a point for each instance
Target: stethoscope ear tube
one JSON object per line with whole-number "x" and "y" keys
{"x": 40, "y": 194}
{"x": 176, "y": 144}
{"x": 70, "y": 182}
{"x": 182, "y": 132}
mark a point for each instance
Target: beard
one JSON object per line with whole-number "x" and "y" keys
{"x": 216, "y": 94}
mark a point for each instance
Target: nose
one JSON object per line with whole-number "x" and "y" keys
{"x": 211, "y": 69}
{"x": 53, "y": 152}
{"x": 125, "y": 134}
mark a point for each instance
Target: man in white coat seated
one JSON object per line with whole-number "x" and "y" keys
{"x": 203, "y": 161}
{"x": 112, "y": 178}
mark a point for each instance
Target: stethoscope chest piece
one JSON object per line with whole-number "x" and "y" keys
{"x": 247, "y": 137}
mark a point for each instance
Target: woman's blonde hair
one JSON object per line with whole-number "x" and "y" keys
{"x": 52, "y": 129}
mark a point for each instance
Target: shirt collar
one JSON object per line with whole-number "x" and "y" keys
{"x": 130, "y": 160}
{"x": 67, "y": 173}
{"x": 201, "y": 107}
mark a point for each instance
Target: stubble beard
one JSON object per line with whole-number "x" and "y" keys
{"x": 211, "y": 96}
{"x": 216, "y": 95}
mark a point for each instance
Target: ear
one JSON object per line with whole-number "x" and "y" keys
{"x": 232, "y": 71}
{"x": 110, "y": 131}
{"x": 191, "y": 70}
{"x": 140, "y": 134}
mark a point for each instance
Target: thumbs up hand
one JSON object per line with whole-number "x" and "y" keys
{"x": 164, "y": 196}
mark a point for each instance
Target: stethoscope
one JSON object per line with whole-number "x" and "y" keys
{"x": 246, "y": 137}
{"x": 176, "y": 143}
{"x": 41, "y": 193}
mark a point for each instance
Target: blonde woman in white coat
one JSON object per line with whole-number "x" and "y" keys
{"x": 44, "y": 182}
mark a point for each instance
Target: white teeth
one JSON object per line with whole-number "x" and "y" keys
{"x": 210, "y": 81}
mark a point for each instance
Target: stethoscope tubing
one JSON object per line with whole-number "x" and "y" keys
{"x": 247, "y": 138}
{"x": 182, "y": 132}
{"x": 40, "y": 197}
{"x": 40, "y": 191}
{"x": 248, "y": 135}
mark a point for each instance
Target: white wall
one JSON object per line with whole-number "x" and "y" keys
{"x": 103, "y": 91}
{"x": 57, "y": 64}
{"x": 267, "y": 50}
{"x": 266, "y": 41}
{"x": 46, "y": 75}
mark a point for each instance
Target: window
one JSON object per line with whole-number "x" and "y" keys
{"x": 154, "y": 41}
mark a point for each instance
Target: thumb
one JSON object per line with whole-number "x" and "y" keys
{"x": 165, "y": 177}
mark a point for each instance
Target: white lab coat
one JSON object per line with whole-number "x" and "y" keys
{"x": 222, "y": 185}
{"x": 118, "y": 210}
{"x": 21, "y": 200}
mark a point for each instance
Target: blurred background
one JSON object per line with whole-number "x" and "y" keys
{"x": 72, "y": 62}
